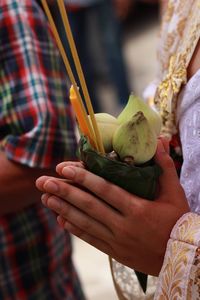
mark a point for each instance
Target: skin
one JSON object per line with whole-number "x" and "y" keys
{"x": 123, "y": 7}
{"x": 163, "y": 6}
{"x": 120, "y": 224}
{"x": 18, "y": 183}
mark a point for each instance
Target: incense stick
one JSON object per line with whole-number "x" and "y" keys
{"x": 69, "y": 71}
{"x": 80, "y": 72}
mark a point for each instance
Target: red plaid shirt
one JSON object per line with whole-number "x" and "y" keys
{"x": 36, "y": 129}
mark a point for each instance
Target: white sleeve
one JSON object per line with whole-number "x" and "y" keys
{"x": 188, "y": 116}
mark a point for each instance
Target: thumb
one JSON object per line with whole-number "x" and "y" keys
{"x": 169, "y": 178}
{"x": 165, "y": 142}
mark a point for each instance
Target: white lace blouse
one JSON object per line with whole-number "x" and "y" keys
{"x": 188, "y": 118}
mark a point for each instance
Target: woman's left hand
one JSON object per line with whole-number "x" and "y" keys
{"x": 130, "y": 229}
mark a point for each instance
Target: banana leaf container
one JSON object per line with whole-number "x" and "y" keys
{"x": 138, "y": 180}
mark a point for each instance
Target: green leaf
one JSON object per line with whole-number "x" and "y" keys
{"x": 138, "y": 180}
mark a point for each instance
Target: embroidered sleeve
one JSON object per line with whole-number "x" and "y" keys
{"x": 180, "y": 275}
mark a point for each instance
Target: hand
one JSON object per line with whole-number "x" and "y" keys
{"x": 17, "y": 189}
{"x": 132, "y": 230}
{"x": 163, "y": 6}
{"x": 122, "y": 7}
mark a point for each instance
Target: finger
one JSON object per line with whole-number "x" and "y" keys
{"x": 75, "y": 216}
{"x": 61, "y": 221}
{"x": 99, "y": 244}
{"x": 44, "y": 198}
{"x": 40, "y": 182}
{"x": 86, "y": 202}
{"x": 165, "y": 142}
{"x": 108, "y": 192}
{"x": 64, "y": 164}
{"x": 169, "y": 177}
{"x": 43, "y": 179}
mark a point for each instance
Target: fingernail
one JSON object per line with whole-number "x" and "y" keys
{"x": 69, "y": 172}
{"x": 54, "y": 203}
{"x": 61, "y": 221}
{"x": 160, "y": 147}
{"x": 44, "y": 199}
{"x": 163, "y": 137}
{"x": 51, "y": 186}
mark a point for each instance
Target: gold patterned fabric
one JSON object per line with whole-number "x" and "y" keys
{"x": 179, "y": 278}
{"x": 179, "y": 35}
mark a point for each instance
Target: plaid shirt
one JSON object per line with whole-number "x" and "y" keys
{"x": 36, "y": 129}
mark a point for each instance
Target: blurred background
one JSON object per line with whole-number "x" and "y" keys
{"x": 131, "y": 71}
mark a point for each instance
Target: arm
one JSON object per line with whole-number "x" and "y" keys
{"x": 17, "y": 185}
{"x": 123, "y": 7}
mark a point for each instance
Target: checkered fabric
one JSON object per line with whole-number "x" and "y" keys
{"x": 36, "y": 129}
{"x": 35, "y": 258}
{"x": 35, "y": 118}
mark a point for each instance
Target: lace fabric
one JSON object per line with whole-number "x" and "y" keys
{"x": 188, "y": 118}
{"x": 127, "y": 281}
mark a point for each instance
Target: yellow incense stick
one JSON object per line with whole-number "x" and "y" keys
{"x": 90, "y": 131}
{"x": 80, "y": 72}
